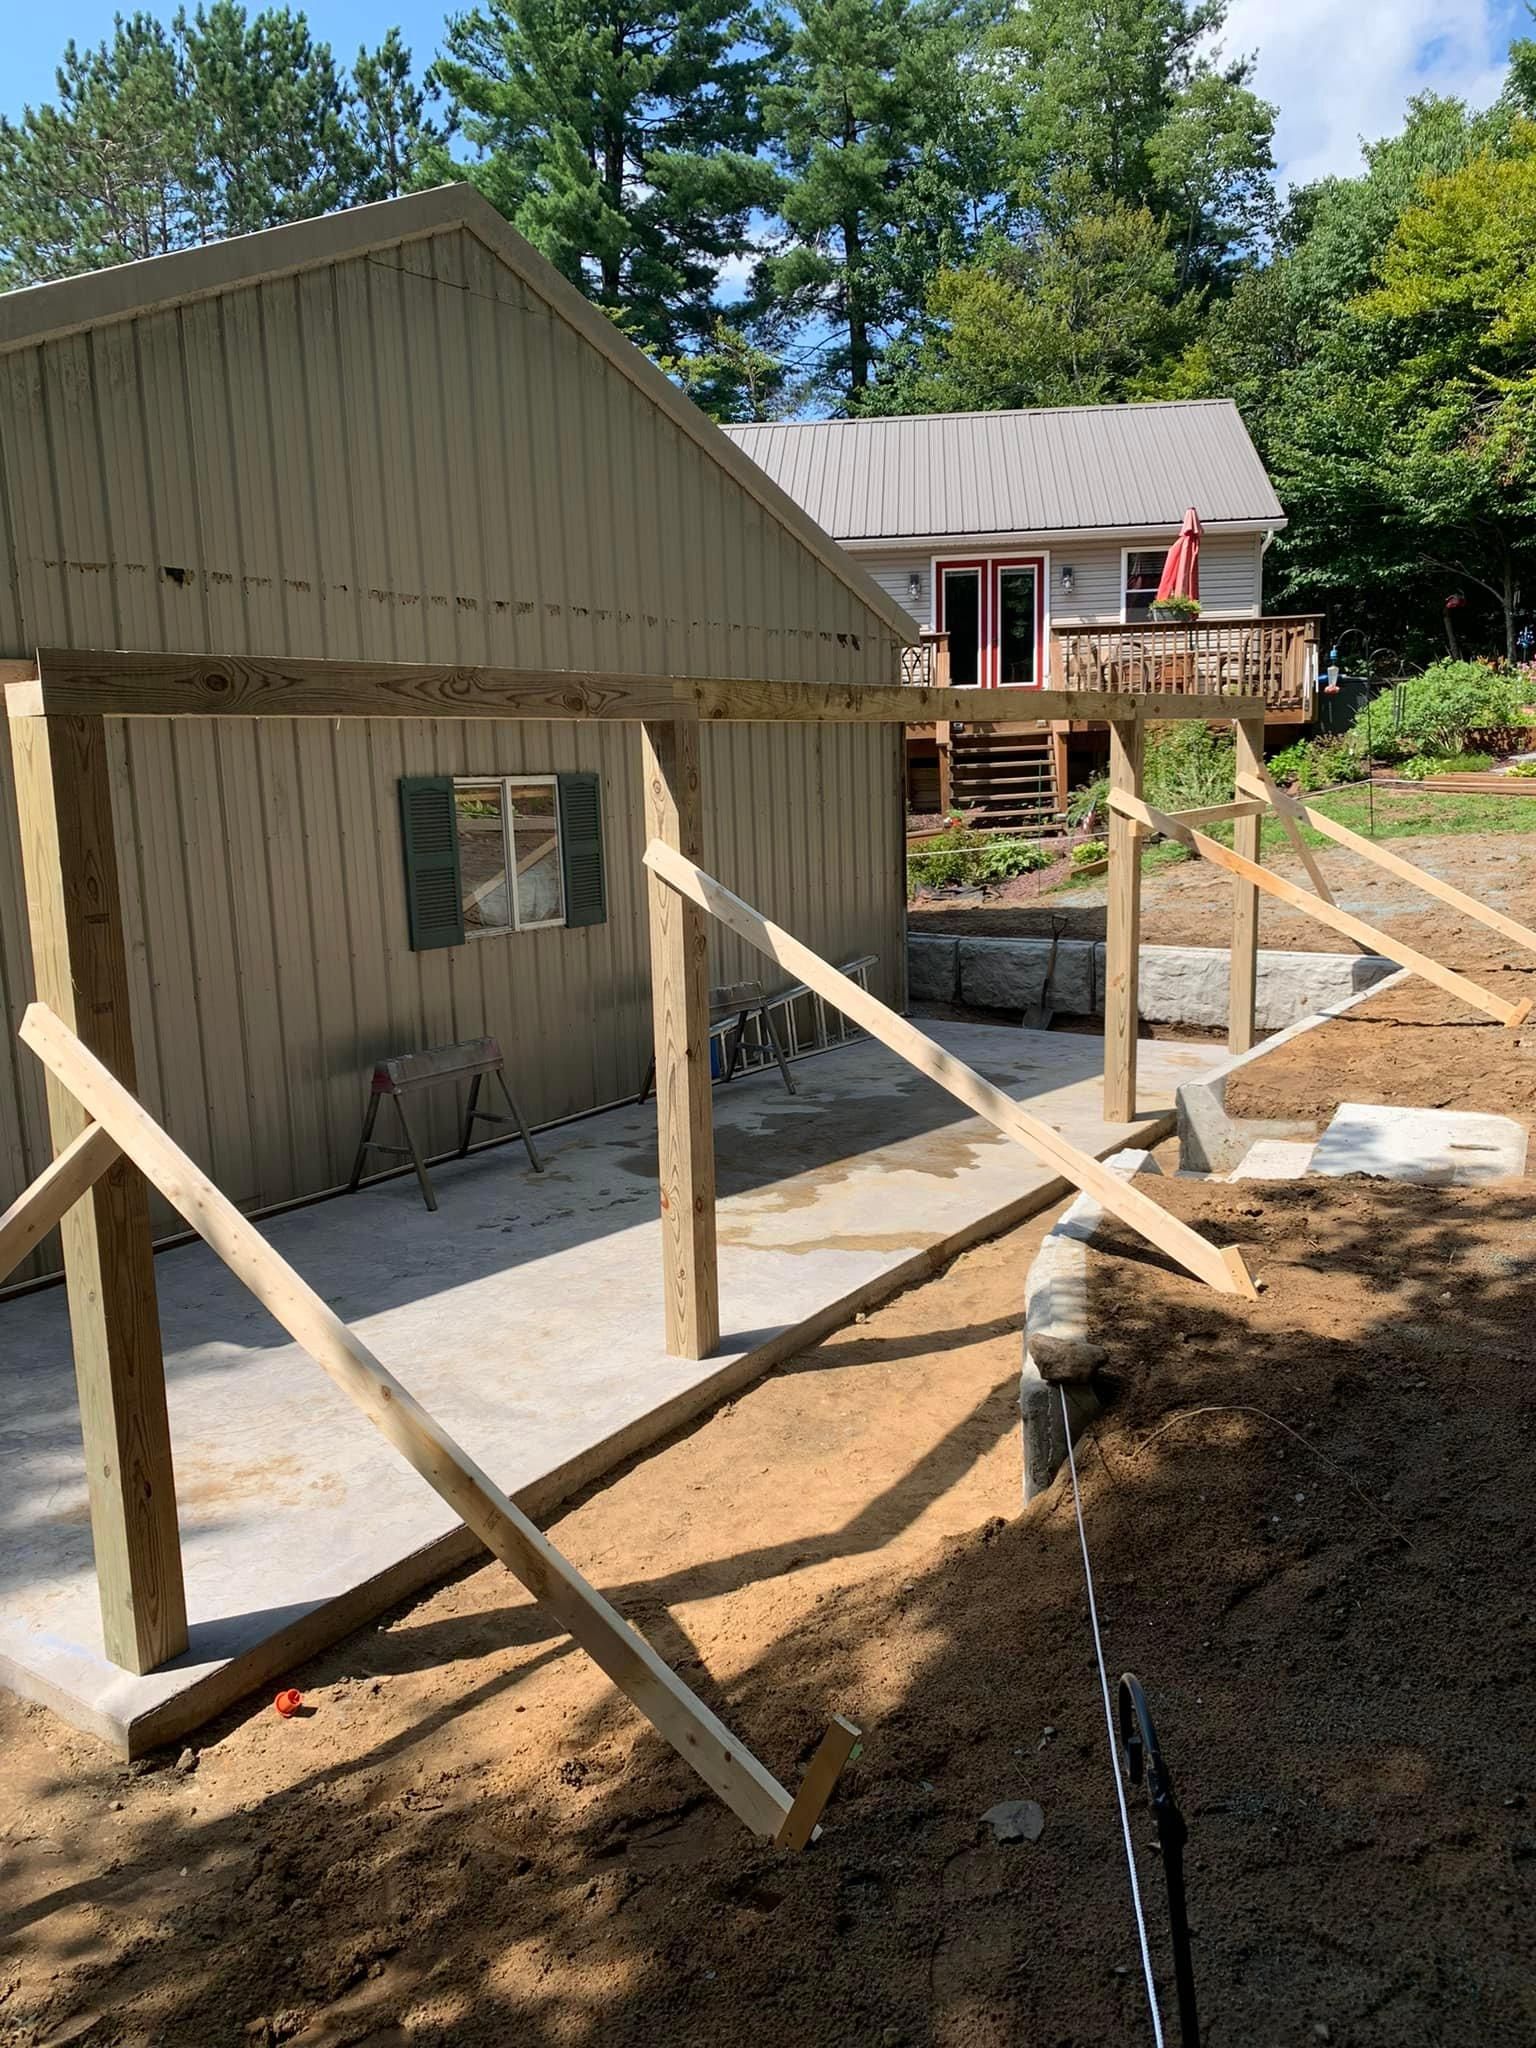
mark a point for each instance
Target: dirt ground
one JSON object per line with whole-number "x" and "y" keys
{"x": 1411, "y": 1045}
{"x": 1327, "y": 1587}
{"x": 1190, "y": 903}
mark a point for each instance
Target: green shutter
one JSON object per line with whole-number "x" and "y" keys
{"x": 581, "y": 849}
{"x": 429, "y": 831}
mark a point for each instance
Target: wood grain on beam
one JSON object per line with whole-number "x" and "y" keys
{"x": 679, "y": 935}
{"x": 1122, "y": 930}
{"x": 1243, "y": 983}
{"x": 80, "y": 963}
{"x": 134, "y": 685}
{"x": 56, "y": 1190}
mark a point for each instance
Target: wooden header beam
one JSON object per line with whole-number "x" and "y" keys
{"x": 136, "y": 685}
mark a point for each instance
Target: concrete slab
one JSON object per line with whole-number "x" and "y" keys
{"x": 1450, "y": 1148}
{"x": 526, "y": 1314}
{"x": 1274, "y": 1159}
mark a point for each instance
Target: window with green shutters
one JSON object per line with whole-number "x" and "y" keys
{"x": 495, "y": 854}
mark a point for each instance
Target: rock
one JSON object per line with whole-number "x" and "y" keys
{"x": 186, "y": 1763}
{"x": 1322, "y": 2031}
{"x": 1015, "y": 1820}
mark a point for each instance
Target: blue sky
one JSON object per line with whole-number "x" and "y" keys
{"x": 1337, "y": 69}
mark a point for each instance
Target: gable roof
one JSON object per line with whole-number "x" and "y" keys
{"x": 1065, "y": 469}
{"x": 42, "y": 312}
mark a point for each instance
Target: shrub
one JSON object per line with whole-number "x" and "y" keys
{"x": 1440, "y": 707}
{"x": 1422, "y": 765}
{"x": 1188, "y": 764}
{"x": 1524, "y": 768}
{"x": 972, "y": 860}
{"x": 1307, "y": 765}
{"x": 1088, "y": 850}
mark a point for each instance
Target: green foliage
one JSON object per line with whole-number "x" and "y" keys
{"x": 1421, "y": 766}
{"x": 1176, "y": 606}
{"x": 970, "y": 859}
{"x": 1087, "y": 851}
{"x": 620, "y": 136}
{"x": 1432, "y": 713}
{"x": 1308, "y": 765}
{"x": 1187, "y": 765}
{"x": 1523, "y": 769}
{"x": 219, "y": 124}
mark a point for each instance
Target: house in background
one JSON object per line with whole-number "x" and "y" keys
{"x": 1028, "y": 547}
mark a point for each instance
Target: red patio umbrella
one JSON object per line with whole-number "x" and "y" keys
{"x": 1181, "y": 571}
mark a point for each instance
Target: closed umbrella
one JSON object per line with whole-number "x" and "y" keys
{"x": 1181, "y": 571}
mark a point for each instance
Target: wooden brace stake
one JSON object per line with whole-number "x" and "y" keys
{"x": 1405, "y": 870}
{"x": 1511, "y": 1014}
{"x": 725, "y": 1765}
{"x": 55, "y": 1191}
{"x": 1224, "y": 1271}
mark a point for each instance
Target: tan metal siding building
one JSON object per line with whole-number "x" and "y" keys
{"x": 398, "y": 435}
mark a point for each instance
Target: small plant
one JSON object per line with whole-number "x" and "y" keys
{"x": 959, "y": 857}
{"x": 1181, "y": 609}
{"x": 1308, "y": 765}
{"x": 1524, "y": 769}
{"x": 1089, "y": 850}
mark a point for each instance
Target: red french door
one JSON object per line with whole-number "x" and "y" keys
{"x": 994, "y": 613}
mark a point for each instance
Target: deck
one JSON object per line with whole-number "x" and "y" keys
{"x": 526, "y": 1314}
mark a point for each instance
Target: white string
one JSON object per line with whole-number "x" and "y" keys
{"x": 1114, "y": 1742}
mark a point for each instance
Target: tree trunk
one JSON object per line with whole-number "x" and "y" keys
{"x": 858, "y": 323}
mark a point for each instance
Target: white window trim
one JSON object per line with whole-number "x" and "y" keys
{"x": 1142, "y": 548}
{"x": 509, "y": 855}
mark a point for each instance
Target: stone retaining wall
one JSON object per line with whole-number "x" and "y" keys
{"x": 1178, "y": 984}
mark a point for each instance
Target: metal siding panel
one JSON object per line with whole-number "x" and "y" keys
{"x": 266, "y": 470}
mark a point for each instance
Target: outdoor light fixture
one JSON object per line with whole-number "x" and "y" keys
{"x": 914, "y": 585}
{"x": 1066, "y": 578}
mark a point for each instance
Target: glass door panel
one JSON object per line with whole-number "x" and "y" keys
{"x": 1018, "y": 624}
{"x": 962, "y": 622}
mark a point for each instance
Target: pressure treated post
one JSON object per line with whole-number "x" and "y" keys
{"x": 1122, "y": 938}
{"x": 680, "y": 1009}
{"x": 69, "y": 860}
{"x": 1249, "y": 736}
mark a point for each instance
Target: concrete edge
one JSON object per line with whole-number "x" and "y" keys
{"x": 331, "y": 1620}
{"x": 1059, "y": 1352}
{"x": 1211, "y": 1141}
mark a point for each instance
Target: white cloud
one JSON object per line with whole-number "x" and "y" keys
{"x": 1343, "y": 70}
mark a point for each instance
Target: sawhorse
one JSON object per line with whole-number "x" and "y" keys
{"x": 393, "y": 1079}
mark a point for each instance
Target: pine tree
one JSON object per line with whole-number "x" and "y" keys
{"x": 869, "y": 122}
{"x": 220, "y": 124}
{"x": 622, "y": 140}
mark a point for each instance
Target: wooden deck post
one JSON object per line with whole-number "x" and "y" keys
{"x": 1243, "y": 991}
{"x": 1122, "y": 947}
{"x": 674, "y": 814}
{"x": 80, "y": 963}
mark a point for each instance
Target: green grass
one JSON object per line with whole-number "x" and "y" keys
{"x": 1398, "y": 815}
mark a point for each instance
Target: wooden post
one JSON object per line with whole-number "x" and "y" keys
{"x": 1122, "y": 948}
{"x": 674, "y": 814}
{"x": 941, "y": 741}
{"x": 1243, "y": 989}
{"x": 80, "y": 963}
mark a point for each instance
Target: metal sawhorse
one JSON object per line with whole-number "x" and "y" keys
{"x": 393, "y": 1079}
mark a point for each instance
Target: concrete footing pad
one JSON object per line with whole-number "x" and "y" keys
{"x": 1446, "y": 1148}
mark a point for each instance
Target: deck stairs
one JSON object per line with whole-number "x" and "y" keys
{"x": 1002, "y": 777}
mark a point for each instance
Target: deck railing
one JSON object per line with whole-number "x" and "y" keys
{"x": 1272, "y": 658}
{"x": 928, "y": 661}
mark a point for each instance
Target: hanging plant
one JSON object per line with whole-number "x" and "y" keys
{"x": 1181, "y": 610}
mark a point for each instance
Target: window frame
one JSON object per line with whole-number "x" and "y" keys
{"x": 509, "y": 853}
{"x": 1126, "y": 555}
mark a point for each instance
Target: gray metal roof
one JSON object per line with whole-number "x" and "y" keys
{"x": 1067, "y": 469}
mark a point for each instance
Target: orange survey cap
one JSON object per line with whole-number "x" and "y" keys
{"x": 288, "y": 1703}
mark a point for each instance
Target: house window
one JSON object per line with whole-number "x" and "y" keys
{"x": 1143, "y": 573}
{"x": 510, "y": 874}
